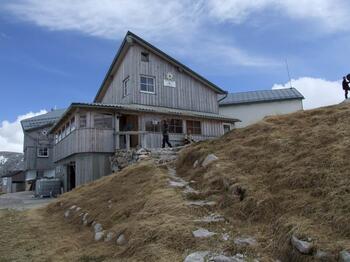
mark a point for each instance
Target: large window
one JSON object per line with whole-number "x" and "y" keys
{"x": 175, "y": 126}
{"x": 43, "y": 152}
{"x": 147, "y": 84}
{"x": 126, "y": 86}
{"x": 82, "y": 121}
{"x": 193, "y": 127}
{"x": 72, "y": 124}
{"x": 103, "y": 121}
{"x": 153, "y": 126}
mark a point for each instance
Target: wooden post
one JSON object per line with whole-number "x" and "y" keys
{"x": 116, "y": 137}
{"x": 127, "y": 136}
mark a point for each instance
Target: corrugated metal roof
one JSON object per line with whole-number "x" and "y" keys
{"x": 42, "y": 120}
{"x": 261, "y": 96}
{"x": 149, "y": 109}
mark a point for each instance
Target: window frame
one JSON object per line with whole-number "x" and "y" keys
{"x": 193, "y": 127}
{"x": 102, "y": 114}
{"x": 154, "y": 126}
{"x": 173, "y": 126}
{"x": 126, "y": 87}
{"x": 229, "y": 128}
{"x": 41, "y": 155}
{"x": 80, "y": 117}
{"x": 154, "y": 84}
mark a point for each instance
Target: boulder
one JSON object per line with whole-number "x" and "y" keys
{"x": 304, "y": 247}
{"x": 99, "y": 236}
{"x": 245, "y": 241}
{"x": 344, "y": 256}
{"x": 198, "y": 256}
{"x": 109, "y": 236}
{"x": 73, "y": 207}
{"x": 202, "y": 233}
{"x": 209, "y": 159}
{"x": 97, "y": 227}
{"x": 121, "y": 240}
{"x": 67, "y": 213}
{"x": 222, "y": 258}
{"x": 323, "y": 256}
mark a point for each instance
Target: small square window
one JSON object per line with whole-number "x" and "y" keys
{"x": 144, "y": 57}
{"x": 43, "y": 152}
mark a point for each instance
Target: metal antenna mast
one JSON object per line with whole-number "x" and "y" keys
{"x": 290, "y": 80}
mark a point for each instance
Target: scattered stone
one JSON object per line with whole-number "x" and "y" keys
{"x": 212, "y": 218}
{"x": 110, "y": 201}
{"x": 110, "y": 206}
{"x": 177, "y": 184}
{"x": 109, "y": 236}
{"x": 195, "y": 164}
{"x": 73, "y": 207}
{"x": 85, "y": 219}
{"x": 245, "y": 241}
{"x": 198, "y": 256}
{"x": 222, "y": 258}
{"x": 121, "y": 240}
{"x": 201, "y": 203}
{"x": 97, "y": 227}
{"x": 99, "y": 236}
{"x": 303, "y": 247}
{"x": 323, "y": 256}
{"x": 209, "y": 159}
{"x": 202, "y": 233}
{"x": 225, "y": 236}
{"x": 67, "y": 213}
{"x": 344, "y": 256}
{"x": 78, "y": 209}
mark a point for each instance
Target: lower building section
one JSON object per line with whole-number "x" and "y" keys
{"x": 82, "y": 168}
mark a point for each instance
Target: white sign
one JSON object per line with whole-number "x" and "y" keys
{"x": 170, "y": 83}
{"x": 4, "y": 181}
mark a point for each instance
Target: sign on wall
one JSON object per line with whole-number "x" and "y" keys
{"x": 169, "y": 81}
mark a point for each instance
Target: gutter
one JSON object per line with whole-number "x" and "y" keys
{"x": 226, "y": 94}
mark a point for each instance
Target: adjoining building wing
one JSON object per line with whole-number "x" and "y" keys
{"x": 42, "y": 120}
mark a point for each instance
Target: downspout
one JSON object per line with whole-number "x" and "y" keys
{"x": 226, "y": 94}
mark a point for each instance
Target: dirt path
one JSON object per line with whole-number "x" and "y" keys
{"x": 22, "y": 201}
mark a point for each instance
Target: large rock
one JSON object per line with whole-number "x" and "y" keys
{"x": 198, "y": 256}
{"x": 344, "y": 256}
{"x": 99, "y": 236}
{"x": 202, "y": 233}
{"x": 245, "y": 241}
{"x": 209, "y": 159}
{"x": 304, "y": 247}
{"x": 98, "y": 227}
{"x": 121, "y": 240}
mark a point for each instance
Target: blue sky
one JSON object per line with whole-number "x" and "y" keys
{"x": 55, "y": 52}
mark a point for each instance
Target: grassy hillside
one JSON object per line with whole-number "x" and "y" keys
{"x": 295, "y": 171}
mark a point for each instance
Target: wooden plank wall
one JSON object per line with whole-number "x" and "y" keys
{"x": 189, "y": 93}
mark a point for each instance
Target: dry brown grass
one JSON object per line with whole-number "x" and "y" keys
{"x": 296, "y": 171}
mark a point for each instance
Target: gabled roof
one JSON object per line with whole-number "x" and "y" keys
{"x": 42, "y": 120}
{"x": 146, "y": 109}
{"x": 128, "y": 40}
{"x": 261, "y": 96}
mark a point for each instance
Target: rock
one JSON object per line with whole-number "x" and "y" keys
{"x": 202, "y": 233}
{"x": 344, "y": 256}
{"x": 142, "y": 151}
{"x": 179, "y": 184}
{"x": 245, "y": 241}
{"x": 225, "y": 236}
{"x": 323, "y": 256}
{"x": 212, "y": 218}
{"x": 201, "y": 203}
{"x": 143, "y": 157}
{"x": 121, "y": 240}
{"x": 97, "y": 227}
{"x": 85, "y": 219}
{"x": 78, "y": 209}
{"x": 99, "y": 236}
{"x": 73, "y": 207}
{"x": 67, "y": 213}
{"x": 303, "y": 247}
{"x": 195, "y": 164}
{"x": 209, "y": 159}
{"x": 198, "y": 256}
{"x": 222, "y": 258}
{"x": 109, "y": 236}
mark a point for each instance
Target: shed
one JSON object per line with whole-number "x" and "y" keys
{"x": 13, "y": 181}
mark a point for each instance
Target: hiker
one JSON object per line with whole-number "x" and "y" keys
{"x": 166, "y": 134}
{"x": 345, "y": 87}
{"x": 189, "y": 139}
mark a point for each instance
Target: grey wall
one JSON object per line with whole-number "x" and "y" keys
{"x": 189, "y": 93}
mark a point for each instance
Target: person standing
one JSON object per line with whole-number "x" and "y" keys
{"x": 165, "y": 134}
{"x": 345, "y": 87}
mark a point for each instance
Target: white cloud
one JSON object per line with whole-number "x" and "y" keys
{"x": 317, "y": 92}
{"x": 329, "y": 14}
{"x": 11, "y": 135}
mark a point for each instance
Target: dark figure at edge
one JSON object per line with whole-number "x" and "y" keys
{"x": 165, "y": 134}
{"x": 346, "y": 88}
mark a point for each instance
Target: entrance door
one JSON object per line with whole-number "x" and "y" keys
{"x": 129, "y": 123}
{"x": 71, "y": 176}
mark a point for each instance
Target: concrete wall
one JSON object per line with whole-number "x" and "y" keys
{"x": 254, "y": 112}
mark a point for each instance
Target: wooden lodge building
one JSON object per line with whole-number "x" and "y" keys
{"x": 142, "y": 87}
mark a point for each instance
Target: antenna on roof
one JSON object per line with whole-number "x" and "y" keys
{"x": 290, "y": 80}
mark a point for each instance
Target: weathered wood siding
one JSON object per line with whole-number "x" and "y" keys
{"x": 85, "y": 140}
{"x": 189, "y": 93}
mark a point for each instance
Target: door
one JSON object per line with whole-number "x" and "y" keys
{"x": 71, "y": 176}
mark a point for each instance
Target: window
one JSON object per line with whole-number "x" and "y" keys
{"x": 193, "y": 127}
{"x": 153, "y": 126}
{"x": 63, "y": 132}
{"x": 82, "y": 121}
{"x": 126, "y": 86}
{"x": 43, "y": 152}
{"x": 147, "y": 84}
{"x": 68, "y": 128}
{"x": 72, "y": 124}
{"x": 59, "y": 135}
{"x": 175, "y": 126}
{"x": 227, "y": 128}
{"x": 56, "y": 138}
{"x": 144, "y": 57}
{"x": 103, "y": 121}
